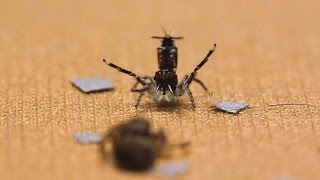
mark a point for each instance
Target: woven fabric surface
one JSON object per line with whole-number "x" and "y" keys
{"x": 267, "y": 53}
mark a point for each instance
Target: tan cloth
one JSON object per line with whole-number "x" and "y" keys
{"x": 267, "y": 53}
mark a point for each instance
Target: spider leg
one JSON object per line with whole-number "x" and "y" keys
{"x": 191, "y": 96}
{"x": 134, "y": 87}
{"x": 139, "y": 79}
{"x": 141, "y": 91}
{"x": 204, "y": 61}
{"x": 184, "y": 84}
{"x": 139, "y": 99}
{"x": 201, "y": 83}
{"x": 180, "y": 87}
{"x": 138, "y": 90}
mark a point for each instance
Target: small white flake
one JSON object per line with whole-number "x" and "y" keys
{"x": 92, "y": 84}
{"x": 172, "y": 169}
{"x": 231, "y": 107}
{"x": 87, "y": 138}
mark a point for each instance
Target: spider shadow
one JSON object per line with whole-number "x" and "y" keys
{"x": 167, "y": 106}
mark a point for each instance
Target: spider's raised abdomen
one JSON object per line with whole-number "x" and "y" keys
{"x": 167, "y": 58}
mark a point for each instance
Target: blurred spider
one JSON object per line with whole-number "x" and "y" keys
{"x": 136, "y": 146}
{"x": 164, "y": 85}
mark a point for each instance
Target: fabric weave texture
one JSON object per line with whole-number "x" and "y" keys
{"x": 267, "y": 53}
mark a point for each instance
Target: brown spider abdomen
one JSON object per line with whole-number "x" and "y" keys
{"x": 167, "y": 57}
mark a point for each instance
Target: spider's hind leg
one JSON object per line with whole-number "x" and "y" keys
{"x": 139, "y": 99}
{"x": 141, "y": 91}
{"x": 201, "y": 83}
{"x": 190, "y": 96}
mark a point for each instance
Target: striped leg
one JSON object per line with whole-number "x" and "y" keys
{"x": 204, "y": 61}
{"x": 201, "y": 83}
{"x": 139, "y": 79}
{"x": 141, "y": 91}
{"x": 139, "y": 99}
{"x": 191, "y": 96}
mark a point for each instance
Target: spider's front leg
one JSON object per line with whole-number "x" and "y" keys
{"x": 184, "y": 86}
{"x": 186, "y": 81}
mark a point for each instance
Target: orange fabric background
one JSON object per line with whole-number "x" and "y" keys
{"x": 267, "y": 53}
